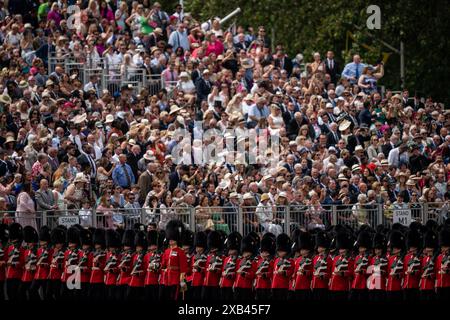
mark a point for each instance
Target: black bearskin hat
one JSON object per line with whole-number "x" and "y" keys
{"x": 113, "y": 239}
{"x": 294, "y": 236}
{"x": 188, "y": 238}
{"x": 128, "y": 238}
{"x": 414, "y": 239}
{"x": 284, "y": 243}
{"x": 268, "y": 243}
{"x": 15, "y": 232}
{"x": 4, "y": 233}
{"x": 86, "y": 237}
{"x": 214, "y": 240}
{"x": 249, "y": 245}
{"x": 58, "y": 235}
{"x": 344, "y": 241}
{"x": 30, "y": 235}
{"x": 305, "y": 241}
{"x": 174, "y": 231}
{"x": 152, "y": 237}
{"x": 364, "y": 240}
{"x": 255, "y": 236}
{"x": 379, "y": 241}
{"x": 100, "y": 237}
{"x": 233, "y": 241}
{"x": 396, "y": 240}
{"x": 73, "y": 235}
{"x": 322, "y": 240}
{"x": 44, "y": 234}
{"x": 200, "y": 239}
{"x": 140, "y": 239}
{"x": 162, "y": 242}
{"x": 430, "y": 240}
{"x": 444, "y": 237}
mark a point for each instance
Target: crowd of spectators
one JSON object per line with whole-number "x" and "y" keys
{"x": 68, "y": 147}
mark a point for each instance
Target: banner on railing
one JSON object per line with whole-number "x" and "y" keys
{"x": 68, "y": 221}
{"x": 402, "y": 216}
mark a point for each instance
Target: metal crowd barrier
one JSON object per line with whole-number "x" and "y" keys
{"x": 261, "y": 219}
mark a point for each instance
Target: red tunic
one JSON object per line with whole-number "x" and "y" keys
{"x": 360, "y": 273}
{"x": 395, "y": 273}
{"x": 71, "y": 257}
{"x": 56, "y": 265}
{"x": 111, "y": 268}
{"x": 29, "y": 267}
{"x": 138, "y": 270}
{"x": 443, "y": 271}
{"x": 174, "y": 262}
{"x": 190, "y": 261}
{"x": 214, "y": 266}
{"x": 302, "y": 277}
{"x": 125, "y": 268}
{"x": 245, "y": 273}
{"x": 413, "y": 272}
{"x": 2, "y": 264}
{"x": 322, "y": 271}
{"x": 85, "y": 263}
{"x": 283, "y": 271}
{"x": 378, "y": 272}
{"x": 342, "y": 282}
{"x": 97, "y": 266}
{"x": 152, "y": 263}
{"x": 264, "y": 273}
{"x": 44, "y": 259}
{"x": 15, "y": 262}
{"x": 229, "y": 271}
{"x": 428, "y": 276}
{"x": 198, "y": 270}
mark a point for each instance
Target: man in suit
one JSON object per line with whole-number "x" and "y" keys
{"x": 86, "y": 160}
{"x": 333, "y": 136}
{"x": 44, "y": 197}
{"x": 176, "y": 178}
{"x": 283, "y": 62}
{"x": 387, "y": 147}
{"x": 231, "y": 210}
{"x": 145, "y": 182}
{"x": 133, "y": 157}
{"x": 332, "y": 67}
{"x": 241, "y": 44}
{"x": 203, "y": 86}
{"x": 295, "y": 124}
{"x": 160, "y": 17}
{"x": 289, "y": 114}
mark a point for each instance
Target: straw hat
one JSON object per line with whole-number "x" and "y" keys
{"x": 344, "y": 125}
{"x": 10, "y": 139}
{"x": 80, "y": 178}
{"x": 410, "y": 183}
{"x": 264, "y": 197}
{"x": 247, "y": 196}
{"x": 109, "y": 118}
{"x": 23, "y": 84}
{"x": 6, "y": 99}
{"x": 247, "y": 63}
{"x": 79, "y": 118}
{"x": 173, "y": 109}
{"x": 149, "y": 155}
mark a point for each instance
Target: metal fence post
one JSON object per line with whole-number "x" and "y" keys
{"x": 424, "y": 209}
{"x": 94, "y": 217}
{"x": 142, "y": 217}
{"x": 380, "y": 214}
{"x": 192, "y": 218}
{"x": 287, "y": 220}
{"x": 334, "y": 219}
{"x": 240, "y": 221}
{"x": 44, "y": 218}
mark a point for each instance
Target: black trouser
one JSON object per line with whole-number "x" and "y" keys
{"x": 320, "y": 294}
{"x": 53, "y": 290}
{"x": 394, "y": 296}
{"x": 162, "y": 292}
{"x": 338, "y": 295}
{"x": 152, "y": 292}
{"x": 196, "y": 293}
{"x": 226, "y": 294}
{"x": 2, "y": 291}
{"x": 280, "y": 294}
{"x": 443, "y": 294}
{"x": 97, "y": 291}
{"x": 135, "y": 294}
{"x": 34, "y": 290}
{"x": 12, "y": 289}
{"x": 211, "y": 293}
{"x": 301, "y": 295}
{"x": 358, "y": 295}
{"x": 23, "y": 290}
{"x": 121, "y": 291}
{"x": 171, "y": 293}
{"x": 410, "y": 294}
{"x": 377, "y": 295}
{"x": 263, "y": 294}
{"x": 111, "y": 292}
{"x": 242, "y": 294}
{"x": 83, "y": 292}
{"x": 427, "y": 295}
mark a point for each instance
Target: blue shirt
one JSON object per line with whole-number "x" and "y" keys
{"x": 119, "y": 176}
{"x": 353, "y": 70}
{"x": 258, "y": 113}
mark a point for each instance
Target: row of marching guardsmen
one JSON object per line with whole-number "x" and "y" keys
{"x": 176, "y": 264}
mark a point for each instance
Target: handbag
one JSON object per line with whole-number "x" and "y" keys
{"x": 209, "y": 224}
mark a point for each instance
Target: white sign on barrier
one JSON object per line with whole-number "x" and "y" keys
{"x": 402, "y": 216}
{"x": 68, "y": 221}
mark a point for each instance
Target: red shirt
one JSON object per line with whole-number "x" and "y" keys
{"x": 283, "y": 270}
{"x": 71, "y": 258}
{"x": 342, "y": 282}
{"x": 15, "y": 262}
{"x": 246, "y": 273}
{"x": 111, "y": 268}
{"x": 138, "y": 270}
{"x": 302, "y": 277}
{"x": 174, "y": 262}
{"x": 125, "y": 268}
{"x": 152, "y": 263}
{"x": 360, "y": 273}
{"x": 98, "y": 266}
{"x": 395, "y": 273}
{"x": 229, "y": 271}
{"x": 56, "y": 265}
{"x": 44, "y": 259}
{"x": 264, "y": 273}
{"x": 198, "y": 269}
{"x": 443, "y": 270}
{"x": 428, "y": 276}
{"x": 214, "y": 266}
{"x": 378, "y": 272}
{"x": 85, "y": 261}
{"x": 321, "y": 271}
{"x": 29, "y": 267}
{"x": 413, "y": 271}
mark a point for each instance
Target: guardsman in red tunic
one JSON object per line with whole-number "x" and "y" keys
{"x": 174, "y": 262}
{"x": 97, "y": 279}
{"x": 3, "y": 258}
{"x": 377, "y": 270}
{"x": 85, "y": 259}
{"x": 43, "y": 257}
{"x": 125, "y": 264}
{"x": 246, "y": 268}
{"x": 443, "y": 265}
{"x": 264, "y": 271}
{"x": 295, "y": 249}
{"x": 395, "y": 266}
{"x": 188, "y": 247}
{"x": 230, "y": 263}
{"x": 302, "y": 277}
{"x": 359, "y": 284}
{"x": 152, "y": 265}
{"x": 112, "y": 261}
{"x": 71, "y": 257}
{"x": 15, "y": 262}
{"x": 413, "y": 265}
{"x": 58, "y": 240}
{"x": 321, "y": 268}
{"x": 283, "y": 268}
{"x": 31, "y": 238}
{"x": 214, "y": 266}
{"x": 428, "y": 268}
{"x": 342, "y": 268}
{"x": 198, "y": 266}
{"x": 136, "y": 285}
